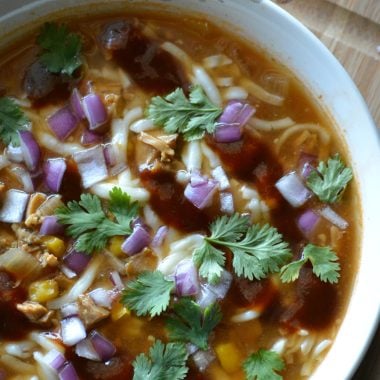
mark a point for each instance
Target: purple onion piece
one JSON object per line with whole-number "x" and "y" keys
{"x": 13, "y": 207}
{"x": 227, "y": 133}
{"x": 76, "y": 261}
{"x": 138, "y": 240}
{"x": 115, "y": 35}
{"x": 90, "y": 137}
{"x": 105, "y": 349}
{"x": 69, "y": 310}
{"x": 293, "y": 190}
{"x": 306, "y": 164}
{"x": 206, "y": 297}
{"x": 159, "y": 237}
{"x": 51, "y": 226}
{"x": 102, "y": 297}
{"x": 54, "y": 170}
{"x": 201, "y": 195}
{"x": 94, "y": 110}
{"x": 91, "y": 165}
{"x": 85, "y": 349}
{"x": 72, "y": 331}
{"x": 76, "y": 104}
{"x": 186, "y": 278}
{"x": 30, "y": 150}
{"x": 307, "y": 221}
{"x": 54, "y": 359}
{"x": 110, "y": 154}
{"x": 68, "y": 372}
{"x": 196, "y": 179}
{"x": 63, "y": 122}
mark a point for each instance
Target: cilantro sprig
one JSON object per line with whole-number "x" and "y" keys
{"x": 330, "y": 179}
{"x": 191, "y": 117}
{"x": 149, "y": 294}
{"x": 323, "y": 260}
{"x": 61, "y": 49}
{"x": 12, "y": 120}
{"x": 263, "y": 365}
{"x": 164, "y": 362}
{"x": 257, "y": 250}
{"x": 91, "y": 226}
{"x": 190, "y": 323}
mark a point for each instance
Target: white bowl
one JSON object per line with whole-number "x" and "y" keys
{"x": 289, "y": 41}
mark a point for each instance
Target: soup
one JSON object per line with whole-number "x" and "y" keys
{"x": 170, "y": 208}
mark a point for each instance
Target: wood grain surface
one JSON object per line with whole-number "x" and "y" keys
{"x": 351, "y": 30}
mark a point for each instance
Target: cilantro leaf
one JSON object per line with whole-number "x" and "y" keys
{"x": 263, "y": 365}
{"x": 191, "y": 324}
{"x": 89, "y": 224}
{"x": 191, "y": 117}
{"x": 61, "y": 49}
{"x": 148, "y": 294}
{"x": 165, "y": 362}
{"x": 257, "y": 250}
{"x": 329, "y": 180}
{"x": 12, "y": 120}
{"x": 323, "y": 260}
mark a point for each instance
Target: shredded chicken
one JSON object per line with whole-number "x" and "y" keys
{"x": 89, "y": 312}
{"x": 144, "y": 261}
{"x": 163, "y": 144}
{"x": 46, "y": 259}
{"x": 36, "y": 312}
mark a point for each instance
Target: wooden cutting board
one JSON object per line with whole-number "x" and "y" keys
{"x": 351, "y": 30}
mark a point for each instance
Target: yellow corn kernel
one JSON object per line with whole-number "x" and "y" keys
{"x": 229, "y": 357}
{"x": 114, "y": 245}
{"x": 42, "y": 291}
{"x": 118, "y": 311}
{"x": 55, "y": 246}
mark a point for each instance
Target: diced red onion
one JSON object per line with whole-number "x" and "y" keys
{"x": 206, "y": 297}
{"x": 110, "y": 154}
{"x": 138, "y": 240}
{"x": 14, "y": 154}
{"x": 94, "y": 110}
{"x": 307, "y": 221}
{"x": 202, "y": 359}
{"x": 54, "y": 359}
{"x": 76, "y": 104}
{"x": 186, "y": 278}
{"x": 116, "y": 280}
{"x": 230, "y": 124}
{"x": 160, "y": 236}
{"x": 63, "y": 122}
{"x": 102, "y": 297}
{"x": 25, "y": 178}
{"x": 201, "y": 195}
{"x": 54, "y": 170}
{"x": 69, "y": 310}
{"x": 293, "y": 190}
{"x": 329, "y": 214}
{"x": 220, "y": 175}
{"x": 306, "y": 164}
{"x": 227, "y": 203}
{"x": 105, "y": 349}
{"x": 68, "y": 372}
{"x": 196, "y": 179}
{"x": 76, "y": 261}
{"x": 30, "y": 150}
{"x": 13, "y": 207}
{"x": 72, "y": 331}
{"x": 85, "y": 349}
{"x": 212, "y": 292}
{"x": 91, "y": 165}
{"x": 90, "y": 137}
{"x": 51, "y": 226}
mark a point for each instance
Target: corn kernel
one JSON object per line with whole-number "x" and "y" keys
{"x": 114, "y": 246}
{"x": 118, "y": 311}
{"x": 55, "y": 246}
{"x": 42, "y": 291}
{"x": 229, "y": 357}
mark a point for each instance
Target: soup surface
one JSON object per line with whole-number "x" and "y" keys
{"x": 173, "y": 204}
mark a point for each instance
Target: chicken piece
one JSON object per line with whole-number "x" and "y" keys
{"x": 26, "y": 236}
{"x": 35, "y": 202}
{"x": 36, "y": 312}
{"x": 164, "y": 144}
{"x": 144, "y": 261}
{"x": 90, "y": 313}
{"x": 46, "y": 259}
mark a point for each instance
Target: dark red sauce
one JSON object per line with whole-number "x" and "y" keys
{"x": 71, "y": 188}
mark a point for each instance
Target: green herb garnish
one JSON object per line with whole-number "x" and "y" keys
{"x": 257, "y": 250}
{"x": 263, "y": 365}
{"x": 148, "y": 294}
{"x": 323, "y": 260}
{"x": 329, "y": 180}
{"x": 192, "y": 324}
{"x": 191, "y": 117}
{"x": 61, "y": 49}
{"x": 12, "y": 120}
{"x": 165, "y": 362}
{"x": 89, "y": 223}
